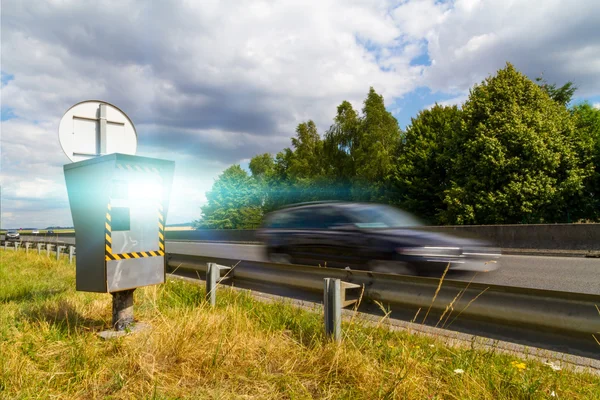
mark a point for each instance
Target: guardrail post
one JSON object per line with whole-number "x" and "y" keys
{"x": 58, "y": 251}
{"x": 27, "y": 244}
{"x": 39, "y": 247}
{"x": 5, "y": 244}
{"x": 213, "y": 278}
{"x": 334, "y": 299}
{"x": 17, "y": 244}
{"x": 48, "y": 248}
{"x": 71, "y": 254}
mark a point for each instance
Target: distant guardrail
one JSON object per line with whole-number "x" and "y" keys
{"x": 61, "y": 239}
{"x": 583, "y": 237}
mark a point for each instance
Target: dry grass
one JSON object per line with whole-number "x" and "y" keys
{"x": 241, "y": 349}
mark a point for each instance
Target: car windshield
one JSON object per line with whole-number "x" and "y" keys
{"x": 12, "y": 231}
{"x": 371, "y": 216}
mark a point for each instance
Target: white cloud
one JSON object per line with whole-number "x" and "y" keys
{"x": 596, "y": 106}
{"x": 474, "y": 39}
{"x": 213, "y": 83}
{"x": 220, "y": 81}
{"x": 38, "y": 188}
{"x": 418, "y": 18}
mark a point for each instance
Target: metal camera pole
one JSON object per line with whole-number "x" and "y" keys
{"x": 122, "y": 309}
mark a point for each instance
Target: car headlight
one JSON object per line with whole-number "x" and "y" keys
{"x": 430, "y": 251}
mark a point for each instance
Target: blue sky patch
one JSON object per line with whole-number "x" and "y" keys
{"x": 6, "y": 113}
{"x": 409, "y": 106}
{"x": 592, "y": 100}
{"x": 423, "y": 59}
{"x": 6, "y": 77}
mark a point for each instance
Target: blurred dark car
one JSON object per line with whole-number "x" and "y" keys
{"x": 49, "y": 232}
{"x": 13, "y": 235}
{"x": 366, "y": 236}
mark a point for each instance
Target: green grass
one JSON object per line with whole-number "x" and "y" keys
{"x": 242, "y": 348}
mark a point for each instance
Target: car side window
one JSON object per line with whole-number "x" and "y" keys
{"x": 332, "y": 217}
{"x": 281, "y": 220}
{"x": 307, "y": 218}
{"x": 321, "y": 218}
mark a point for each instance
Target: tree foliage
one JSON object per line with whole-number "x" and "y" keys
{"x": 521, "y": 155}
{"x": 262, "y": 166}
{"x": 514, "y": 153}
{"x": 340, "y": 142}
{"x": 232, "y": 202}
{"x": 562, "y": 95}
{"x": 587, "y": 120}
{"x": 425, "y": 159}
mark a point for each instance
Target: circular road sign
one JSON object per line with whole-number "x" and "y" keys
{"x": 94, "y": 128}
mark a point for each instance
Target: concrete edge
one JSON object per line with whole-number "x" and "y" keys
{"x": 450, "y": 338}
{"x": 552, "y": 253}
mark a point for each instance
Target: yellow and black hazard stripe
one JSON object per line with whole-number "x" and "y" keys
{"x": 108, "y": 233}
{"x": 138, "y": 168}
{"x": 157, "y": 172}
{"x": 109, "y": 256}
{"x": 161, "y": 228}
{"x": 138, "y": 254}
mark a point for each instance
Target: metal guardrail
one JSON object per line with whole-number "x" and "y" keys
{"x": 59, "y": 247}
{"x": 63, "y": 240}
{"x": 542, "y": 309}
{"x": 553, "y": 320}
{"x": 570, "y": 315}
{"x": 513, "y": 306}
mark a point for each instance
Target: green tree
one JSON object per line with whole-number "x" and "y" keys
{"x": 279, "y": 182}
{"x": 521, "y": 156}
{"x": 265, "y": 172}
{"x": 587, "y": 119}
{"x": 378, "y": 140}
{"x": 339, "y": 145}
{"x": 360, "y": 150}
{"x": 262, "y": 166}
{"x": 562, "y": 95}
{"x": 379, "y": 137}
{"x": 340, "y": 141}
{"x": 232, "y": 202}
{"x": 306, "y": 161}
{"x": 425, "y": 159}
{"x": 305, "y": 166}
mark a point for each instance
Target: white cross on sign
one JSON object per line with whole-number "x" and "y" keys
{"x": 95, "y": 128}
{"x": 83, "y": 125}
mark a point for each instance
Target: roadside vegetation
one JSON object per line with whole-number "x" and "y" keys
{"x": 516, "y": 151}
{"x": 242, "y": 348}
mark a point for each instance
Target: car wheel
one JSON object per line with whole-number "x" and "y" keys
{"x": 392, "y": 267}
{"x": 280, "y": 258}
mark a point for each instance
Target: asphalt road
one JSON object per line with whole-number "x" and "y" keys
{"x": 569, "y": 274}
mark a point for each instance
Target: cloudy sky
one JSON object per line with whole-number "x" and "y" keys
{"x": 210, "y": 83}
